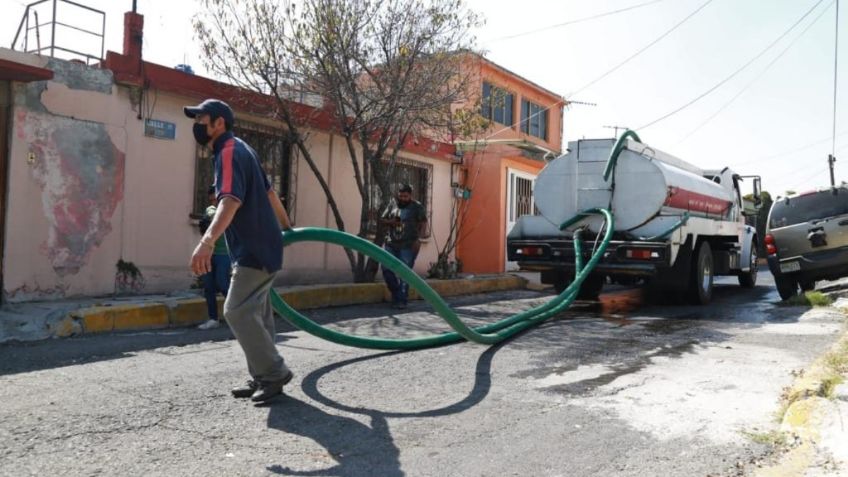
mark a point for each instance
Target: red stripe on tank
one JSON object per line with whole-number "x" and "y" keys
{"x": 695, "y": 202}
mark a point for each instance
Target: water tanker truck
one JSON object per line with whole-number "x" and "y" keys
{"x": 676, "y": 226}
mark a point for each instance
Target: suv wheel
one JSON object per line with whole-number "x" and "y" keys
{"x": 701, "y": 277}
{"x": 787, "y": 287}
{"x": 807, "y": 285}
{"x": 749, "y": 279}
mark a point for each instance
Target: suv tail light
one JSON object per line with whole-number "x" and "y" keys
{"x": 771, "y": 249}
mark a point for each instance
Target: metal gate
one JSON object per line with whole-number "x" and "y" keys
{"x": 519, "y": 201}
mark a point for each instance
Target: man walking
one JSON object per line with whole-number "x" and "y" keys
{"x": 407, "y": 223}
{"x": 251, "y": 214}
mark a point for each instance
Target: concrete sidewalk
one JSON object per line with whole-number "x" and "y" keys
{"x": 58, "y": 319}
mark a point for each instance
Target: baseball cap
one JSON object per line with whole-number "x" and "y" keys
{"x": 215, "y": 108}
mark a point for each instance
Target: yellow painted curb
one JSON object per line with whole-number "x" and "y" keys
{"x": 469, "y": 287}
{"x": 801, "y": 423}
{"x": 124, "y": 317}
{"x": 192, "y": 311}
{"x": 803, "y": 417}
{"x": 67, "y": 326}
{"x": 334, "y": 295}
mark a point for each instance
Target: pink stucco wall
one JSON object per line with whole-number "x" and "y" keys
{"x": 87, "y": 188}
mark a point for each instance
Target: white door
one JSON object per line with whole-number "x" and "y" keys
{"x": 519, "y": 201}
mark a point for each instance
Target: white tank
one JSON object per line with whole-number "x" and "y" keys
{"x": 652, "y": 190}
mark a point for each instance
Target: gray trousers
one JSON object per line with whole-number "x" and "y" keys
{"x": 247, "y": 310}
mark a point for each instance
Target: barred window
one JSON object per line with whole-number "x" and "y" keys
{"x": 273, "y": 150}
{"x": 417, "y": 174}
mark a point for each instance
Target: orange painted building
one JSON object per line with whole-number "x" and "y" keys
{"x": 499, "y": 166}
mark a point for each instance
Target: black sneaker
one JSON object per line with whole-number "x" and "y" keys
{"x": 269, "y": 389}
{"x": 245, "y": 390}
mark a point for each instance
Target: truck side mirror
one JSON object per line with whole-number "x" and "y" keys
{"x": 758, "y": 200}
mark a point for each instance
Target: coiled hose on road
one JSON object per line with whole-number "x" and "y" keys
{"x": 487, "y": 334}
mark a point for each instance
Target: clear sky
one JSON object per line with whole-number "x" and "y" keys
{"x": 777, "y": 110}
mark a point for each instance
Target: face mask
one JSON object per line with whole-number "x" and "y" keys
{"x": 200, "y": 134}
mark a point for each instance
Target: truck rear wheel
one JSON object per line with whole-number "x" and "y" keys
{"x": 590, "y": 289}
{"x": 701, "y": 276}
{"x": 787, "y": 287}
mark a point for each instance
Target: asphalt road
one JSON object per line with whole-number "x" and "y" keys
{"x": 619, "y": 389}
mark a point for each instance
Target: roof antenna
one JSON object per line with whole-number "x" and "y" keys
{"x": 134, "y": 6}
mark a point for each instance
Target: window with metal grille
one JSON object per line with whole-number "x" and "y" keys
{"x": 417, "y": 174}
{"x": 521, "y": 199}
{"x": 497, "y": 104}
{"x": 273, "y": 150}
{"x": 534, "y": 119}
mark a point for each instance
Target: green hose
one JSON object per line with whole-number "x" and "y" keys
{"x": 620, "y": 144}
{"x": 487, "y": 334}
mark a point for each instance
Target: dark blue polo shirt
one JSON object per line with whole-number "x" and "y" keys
{"x": 253, "y": 236}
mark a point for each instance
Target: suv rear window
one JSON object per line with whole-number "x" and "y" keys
{"x": 819, "y": 205}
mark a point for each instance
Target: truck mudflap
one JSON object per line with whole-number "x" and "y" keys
{"x": 621, "y": 257}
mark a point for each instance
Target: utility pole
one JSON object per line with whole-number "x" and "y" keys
{"x": 616, "y": 128}
{"x": 830, "y": 160}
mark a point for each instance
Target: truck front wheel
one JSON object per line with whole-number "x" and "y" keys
{"x": 701, "y": 276}
{"x": 749, "y": 279}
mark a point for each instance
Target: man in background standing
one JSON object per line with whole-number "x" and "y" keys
{"x": 407, "y": 224}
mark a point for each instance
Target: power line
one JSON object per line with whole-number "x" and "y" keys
{"x": 793, "y": 151}
{"x": 604, "y": 75}
{"x": 760, "y": 75}
{"x": 806, "y": 165}
{"x": 732, "y": 75}
{"x": 808, "y": 179}
{"x": 572, "y": 22}
{"x": 642, "y": 50}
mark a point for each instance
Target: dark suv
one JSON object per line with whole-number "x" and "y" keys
{"x": 807, "y": 239}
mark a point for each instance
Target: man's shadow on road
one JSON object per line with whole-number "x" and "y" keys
{"x": 360, "y": 449}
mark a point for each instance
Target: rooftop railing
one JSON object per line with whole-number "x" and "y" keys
{"x": 32, "y": 35}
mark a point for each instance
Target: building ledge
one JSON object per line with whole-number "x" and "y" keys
{"x": 14, "y": 71}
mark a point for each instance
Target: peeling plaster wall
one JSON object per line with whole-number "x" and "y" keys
{"x": 87, "y": 188}
{"x": 66, "y": 181}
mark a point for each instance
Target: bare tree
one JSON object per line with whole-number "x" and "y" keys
{"x": 389, "y": 72}
{"x": 245, "y": 44}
